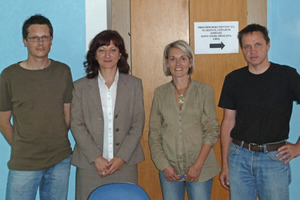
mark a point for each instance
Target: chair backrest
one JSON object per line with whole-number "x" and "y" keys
{"x": 119, "y": 191}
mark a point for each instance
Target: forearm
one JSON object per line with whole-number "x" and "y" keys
{"x": 87, "y": 140}
{"x": 202, "y": 155}
{"x": 226, "y": 127}
{"x": 194, "y": 170}
{"x": 289, "y": 151}
{"x": 7, "y": 132}
{"x": 6, "y": 127}
{"x": 158, "y": 154}
{"x": 211, "y": 128}
{"x": 298, "y": 142}
{"x": 225, "y": 145}
{"x": 67, "y": 108}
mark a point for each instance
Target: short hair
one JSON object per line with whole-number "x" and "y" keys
{"x": 185, "y": 47}
{"x": 36, "y": 19}
{"x": 103, "y": 39}
{"x": 252, "y": 28}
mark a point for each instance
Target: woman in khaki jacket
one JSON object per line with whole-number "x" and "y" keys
{"x": 183, "y": 129}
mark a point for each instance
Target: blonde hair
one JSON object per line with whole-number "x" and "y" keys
{"x": 185, "y": 47}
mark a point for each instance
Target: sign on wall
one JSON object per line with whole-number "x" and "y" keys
{"x": 216, "y": 37}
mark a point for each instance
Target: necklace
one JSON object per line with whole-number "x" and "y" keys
{"x": 181, "y": 97}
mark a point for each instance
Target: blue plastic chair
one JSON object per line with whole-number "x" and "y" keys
{"x": 119, "y": 191}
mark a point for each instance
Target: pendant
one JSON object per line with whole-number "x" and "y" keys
{"x": 181, "y": 99}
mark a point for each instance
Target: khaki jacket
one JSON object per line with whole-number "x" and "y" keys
{"x": 176, "y": 136}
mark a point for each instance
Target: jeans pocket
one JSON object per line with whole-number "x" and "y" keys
{"x": 272, "y": 156}
{"x": 233, "y": 148}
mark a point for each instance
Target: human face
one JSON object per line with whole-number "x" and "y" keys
{"x": 255, "y": 49}
{"x": 178, "y": 62}
{"x": 108, "y": 56}
{"x": 40, "y": 48}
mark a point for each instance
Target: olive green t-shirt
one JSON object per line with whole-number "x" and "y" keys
{"x": 36, "y": 99}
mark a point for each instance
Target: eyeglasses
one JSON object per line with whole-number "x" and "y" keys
{"x": 37, "y": 38}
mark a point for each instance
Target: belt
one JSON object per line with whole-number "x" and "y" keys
{"x": 260, "y": 147}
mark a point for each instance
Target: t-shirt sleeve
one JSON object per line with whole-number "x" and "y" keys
{"x": 227, "y": 97}
{"x": 69, "y": 86}
{"x": 294, "y": 78}
{"x": 5, "y": 95}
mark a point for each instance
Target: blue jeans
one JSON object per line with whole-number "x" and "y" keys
{"x": 52, "y": 183}
{"x": 176, "y": 190}
{"x": 253, "y": 174}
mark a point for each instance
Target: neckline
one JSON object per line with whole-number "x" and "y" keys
{"x": 36, "y": 70}
{"x": 261, "y": 74}
{"x": 181, "y": 99}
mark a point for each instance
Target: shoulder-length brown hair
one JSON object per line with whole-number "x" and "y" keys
{"x": 103, "y": 39}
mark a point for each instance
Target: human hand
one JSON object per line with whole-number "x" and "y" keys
{"x": 170, "y": 174}
{"x": 193, "y": 173}
{"x": 288, "y": 152}
{"x": 101, "y": 166}
{"x": 114, "y": 164}
{"x": 224, "y": 178}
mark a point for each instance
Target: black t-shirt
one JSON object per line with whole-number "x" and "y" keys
{"x": 263, "y": 102}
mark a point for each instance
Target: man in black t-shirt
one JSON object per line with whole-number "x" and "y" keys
{"x": 257, "y": 101}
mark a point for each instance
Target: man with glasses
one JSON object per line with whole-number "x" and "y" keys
{"x": 36, "y": 94}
